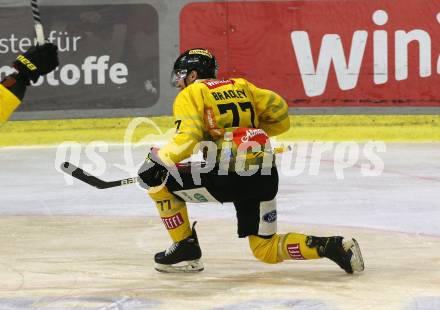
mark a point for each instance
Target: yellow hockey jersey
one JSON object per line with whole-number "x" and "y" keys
{"x": 8, "y": 103}
{"x": 204, "y": 110}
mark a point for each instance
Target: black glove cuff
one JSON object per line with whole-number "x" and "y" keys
{"x": 24, "y": 71}
{"x": 16, "y": 83}
{"x": 152, "y": 172}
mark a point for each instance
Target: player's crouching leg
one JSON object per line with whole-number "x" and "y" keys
{"x": 281, "y": 247}
{"x": 265, "y": 249}
{"x": 185, "y": 253}
{"x": 172, "y": 211}
{"x": 345, "y": 252}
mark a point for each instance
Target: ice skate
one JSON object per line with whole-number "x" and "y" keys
{"x": 182, "y": 256}
{"x": 344, "y": 252}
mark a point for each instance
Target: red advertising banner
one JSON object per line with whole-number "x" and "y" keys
{"x": 325, "y": 53}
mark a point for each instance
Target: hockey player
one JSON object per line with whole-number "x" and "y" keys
{"x": 37, "y": 61}
{"x": 238, "y": 118}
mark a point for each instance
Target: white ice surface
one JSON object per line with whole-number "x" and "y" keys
{"x": 405, "y": 197}
{"x": 101, "y": 257}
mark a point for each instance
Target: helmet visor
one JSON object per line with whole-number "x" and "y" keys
{"x": 177, "y": 75}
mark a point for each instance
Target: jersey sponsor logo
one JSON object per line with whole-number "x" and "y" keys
{"x": 244, "y": 135}
{"x": 210, "y": 119}
{"x": 251, "y": 133}
{"x": 200, "y": 197}
{"x": 211, "y": 124}
{"x": 294, "y": 251}
{"x": 195, "y": 195}
{"x": 218, "y": 83}
{"x": 270, "y": 217}
{"x": 173, "y": 222}
{"x": 188, "y": 197}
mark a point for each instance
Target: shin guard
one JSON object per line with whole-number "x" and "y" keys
{"x": 294, "y": 246}
{"x": 173, "y": 212}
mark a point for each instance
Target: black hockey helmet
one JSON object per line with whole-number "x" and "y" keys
{"x": 198, "y": 59}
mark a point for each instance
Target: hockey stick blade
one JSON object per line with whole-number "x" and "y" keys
{"x": 85, "y": 177}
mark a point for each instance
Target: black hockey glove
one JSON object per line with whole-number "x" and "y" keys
{"x": 37, "y": 61}
{"x": 153, "y": 171}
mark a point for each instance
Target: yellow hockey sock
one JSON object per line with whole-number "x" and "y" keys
{"x": 280, "y": 247}
{"x": 294, "y": 246}
{"x": 173, "y": 212}
{"x": 264, "y": 249}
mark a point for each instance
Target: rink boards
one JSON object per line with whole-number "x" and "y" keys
{"x": 361, "y": 128}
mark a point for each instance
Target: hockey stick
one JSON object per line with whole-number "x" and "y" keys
{"x": 39, "y": 32}
{"x": 85, "y": 177}
{"x": 82, "y": 175}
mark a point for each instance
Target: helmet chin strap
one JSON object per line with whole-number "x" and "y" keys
{"x": 186, "y": 77}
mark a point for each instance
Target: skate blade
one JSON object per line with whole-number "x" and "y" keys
{"x": 191, "y": 266}
{"x": 356, "y": 260}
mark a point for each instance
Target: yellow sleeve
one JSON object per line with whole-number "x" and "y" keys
{"x": 188, "y": 117}
{"x": 272, "y": 110}
{"x": 8, "y": 103}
